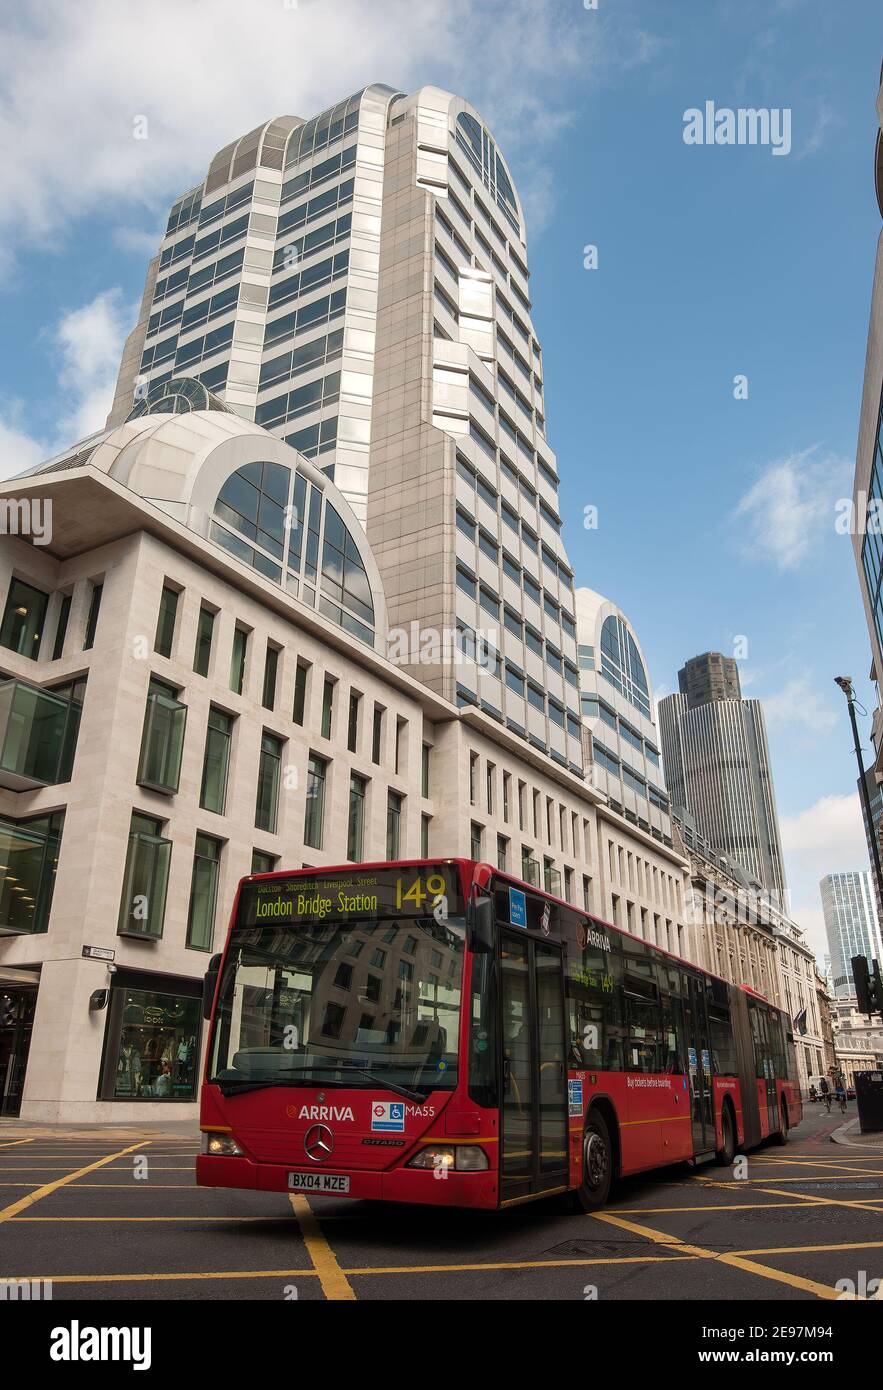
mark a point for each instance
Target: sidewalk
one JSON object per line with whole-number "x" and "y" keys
{"x": 161, "y": 1129}
{"x": 850, "y": 1135}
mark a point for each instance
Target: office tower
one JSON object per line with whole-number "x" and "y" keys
{"x": 358, "y": 285}
{"x": 851, "y": 925}
{"x": 717, "y": 767}
{"x": 711, "y": 676}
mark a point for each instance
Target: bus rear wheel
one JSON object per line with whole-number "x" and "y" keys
{"x": 594, "y": 1190}
{"x": 781, "y": 1135}
{"x": 727, "y": 1151}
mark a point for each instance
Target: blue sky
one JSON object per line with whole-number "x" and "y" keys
{"x": 716, "y": 516}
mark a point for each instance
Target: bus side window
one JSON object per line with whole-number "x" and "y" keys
{"x": 671, "y": 1050}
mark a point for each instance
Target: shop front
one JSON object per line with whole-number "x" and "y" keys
{"x": 151, "y": 1040}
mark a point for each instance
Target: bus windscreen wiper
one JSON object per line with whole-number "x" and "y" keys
{"x": 233, "y": 1086}
{"x": 387, "y": 1085}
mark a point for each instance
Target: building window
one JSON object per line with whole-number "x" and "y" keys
{"x": 587, "y": 893}
{"x": 394, "y": 803}
{"x": 489, "y": 780}
{"x": 165, "y": 624}
{"x": 205, "y": 629}
{"x": 237, "y": 660}
{"x": 401, "y": 743}
{"x": 568, "y": 884}
{"x": 23, "y": 619}
{"x": 146, "y": 879}
{"x": 424, "y": 770}
{"x": 355, "y": 837}
{"x": 352, "y": 727}
{"x": 263, "y": 863}
{"x": 92, "y": 620}
{"x": 502, "y": 852}
{"x": 216, "y": 761}
{"x": 271, "y": 668}
{"x": 29, "y": 851}
{"x": 327, "y": 706}
{"x": 530, "y": 869}
{"x": 475, "y": 836}
{"x": 269, "y": 769}
{"x": 38, "y": 733}
{"x": 203, "y": 893}
{"x": 162, "y": 741}
{"x": 473, "y": 774}
{"x": 377, "y": 735}
{"x": 300, "y": 692}
{"x": 64, "y": 613}
{"x": 151, "y": 1048}
{"x": 424, "y": 836}
{"x": 507, "y": 782}
{"x": 314, "y": 816}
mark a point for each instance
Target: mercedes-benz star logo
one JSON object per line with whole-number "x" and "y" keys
{"x": 318, "y": 1143}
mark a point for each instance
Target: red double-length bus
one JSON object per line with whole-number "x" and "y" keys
{"x": 438, "y": 1031}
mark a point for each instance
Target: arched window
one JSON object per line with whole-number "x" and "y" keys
{"x": 621, "y": 664}
{"x": 277, "y": 521}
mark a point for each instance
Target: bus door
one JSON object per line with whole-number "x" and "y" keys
{"x": 533, "y": 1111}
{"x": 699, "y": 1065}
{"x": 764, "y": 1067}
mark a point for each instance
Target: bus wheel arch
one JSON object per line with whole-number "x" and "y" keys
{"x": 729, "y": 1134}
{"x": 601, "y": 1155}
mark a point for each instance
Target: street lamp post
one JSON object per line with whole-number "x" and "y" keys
{"x": 845, "y": 683}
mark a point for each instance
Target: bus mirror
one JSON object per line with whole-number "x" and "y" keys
{"x": 481, "y": 935}
{"x": 209, "y": 985}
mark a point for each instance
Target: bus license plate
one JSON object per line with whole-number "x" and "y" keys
{"x": 317, "y": 1182}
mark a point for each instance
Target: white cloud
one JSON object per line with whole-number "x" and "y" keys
{"x": 799, "y": 703}
{"x": 18, "y": 450}
{"x": 784, "y": 513}
{"x": 89, "y": 341}
{"x": 826, "y": 121}
{"x": 75, "y": 78}
{"x": 828, "y": 837}
{"x": 85, "y": 344}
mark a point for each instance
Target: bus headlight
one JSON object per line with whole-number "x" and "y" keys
{"x": 463, "y": 1158}
{"x": 220, "y": 1145}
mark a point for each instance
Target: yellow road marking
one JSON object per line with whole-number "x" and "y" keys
{"x": 812, "y": 1197}
{"x": 735, "y": 1261}
{"x": 728, "y": 1206}
{"x": 743, "y": 1182}
{"x": 6, "y": 1213}
{"x": 49, "y": 1220}
{"x": 810, "y": 1163}
{"x": 13, "y": 1143}
{"x": 331, "y": 1276}
{"x": 370, "y": 1269}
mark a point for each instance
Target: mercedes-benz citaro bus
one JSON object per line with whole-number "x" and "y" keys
{"x": 438, "y": 1031}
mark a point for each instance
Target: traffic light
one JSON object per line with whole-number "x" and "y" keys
{"x": 868, "y": 986}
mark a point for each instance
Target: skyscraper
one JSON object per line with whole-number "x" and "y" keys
{"x": 357, "y": 284}
{"x": 711, "y": 676}
{"x": 717, "y": 767}
{"x": 851, "y": 924}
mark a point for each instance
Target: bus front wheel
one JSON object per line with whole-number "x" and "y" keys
{"x": 594, "y": 1190}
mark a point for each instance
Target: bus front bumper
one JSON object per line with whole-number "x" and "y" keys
{"x": 397, "y": 1185}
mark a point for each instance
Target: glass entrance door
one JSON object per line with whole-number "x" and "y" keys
{"x": 533, "y": 1152}
{"x": 16, "y": 1022}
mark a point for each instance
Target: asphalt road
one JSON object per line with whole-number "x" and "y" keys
{"x": 80, "y": 1208}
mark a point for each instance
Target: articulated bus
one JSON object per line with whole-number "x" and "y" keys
{"x": 438, "y": 1031}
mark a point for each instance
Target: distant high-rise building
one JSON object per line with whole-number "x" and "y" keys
{"x": 711, "y": 676}
{"x": 717, "y": 767}
{"x": 851, "y": 924}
